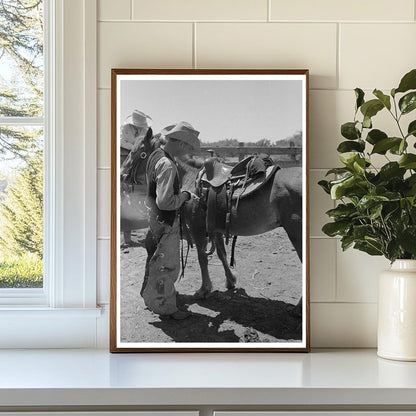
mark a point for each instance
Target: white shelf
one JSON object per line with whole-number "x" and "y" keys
{"x": 40, "y": 378}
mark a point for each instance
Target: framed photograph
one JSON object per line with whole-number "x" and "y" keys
{"x": 209, "y": 211}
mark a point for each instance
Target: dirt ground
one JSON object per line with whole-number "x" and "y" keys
{"x": 269, "y": 284}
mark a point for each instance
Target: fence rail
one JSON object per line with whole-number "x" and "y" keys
{"x": 294, "y": 153}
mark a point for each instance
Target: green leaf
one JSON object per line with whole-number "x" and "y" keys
{"x": 325, "y": 186}
{"x": 371, "y": 108}
{"x": 338, "y": 171}
{"x": 407, "y": 240}
{"x": 383, "y": 145}
{"x": 393, "y": 250}
{"x": 348, "y": 158}
{"x": 359, "y": 165}
{"x": 359, "y": 95}
{"x": 346, "y": 242}
{"x": 391, "y": 170}
{"x": 408, "y": 161}
{"x": 345, "y": 186}
{"x": 349, "y": 146}
{"x": 408, "y": 102}
{"x": 398, "y": 149}
{"x": 411, "y": 130}
{"x": 375, "y": 136}
{"x": 408, "y": 82}
{"x": 385, "y": 99}
{"x": 342, "y": 211}
{"x": 369, "y": 201}
{"x": 336, "y": 228}
{"x": 375, "y": 211}
{"x": 349, "y": 131}
{"x": 367, "y": 122}
{"x": 361, "y": 231}
{"x": 368, "y": 248}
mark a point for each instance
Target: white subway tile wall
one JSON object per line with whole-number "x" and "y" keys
{"x": 142, "y": 45}
{"x": 323, "y": 269}
{"x": 200, "y": 10}
{"x": 114, "y": 10}
{"x": 375, "y": 55}
{"x": 355, "y": 10}
{"x": 103, "y": 270}
{"x": 104, "y": 128}
{"x": 270, "y": 45}
{"x": 345, "y": 44}
{"x": 104, "y": 202}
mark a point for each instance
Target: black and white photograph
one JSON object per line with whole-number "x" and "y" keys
{"x": 209, "y": 241}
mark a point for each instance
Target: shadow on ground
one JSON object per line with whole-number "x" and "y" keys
{"x": 221, "y": 317}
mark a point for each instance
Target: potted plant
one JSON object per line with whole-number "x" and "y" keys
{"x": 376, "y": 207}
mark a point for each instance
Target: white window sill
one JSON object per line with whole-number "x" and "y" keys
{"x": 36, "y": 312}
{"x": 329, "y": 379}
{"x": 40, "y": 327}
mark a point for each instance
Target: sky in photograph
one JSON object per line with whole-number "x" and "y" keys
{"x": 224, "y": 109}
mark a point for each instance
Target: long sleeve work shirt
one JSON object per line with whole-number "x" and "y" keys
{"x": 165, "y": 176}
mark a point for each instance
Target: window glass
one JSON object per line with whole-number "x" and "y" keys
{"x": 21, "y": 143}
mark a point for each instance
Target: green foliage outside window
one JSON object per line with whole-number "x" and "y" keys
{"x": 21, "y": 148}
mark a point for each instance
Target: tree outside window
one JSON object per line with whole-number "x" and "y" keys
{"x": 21, "y": 143}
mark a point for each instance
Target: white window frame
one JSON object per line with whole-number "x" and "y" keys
{"x": 64, "y": 313}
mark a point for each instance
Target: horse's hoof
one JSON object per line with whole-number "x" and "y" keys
{"x": 202, "y": 293}
{"x": 231, "y": 284}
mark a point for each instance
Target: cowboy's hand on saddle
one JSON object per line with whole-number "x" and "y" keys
{"x": 190, "y": 196}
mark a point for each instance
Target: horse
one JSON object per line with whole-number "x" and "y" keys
{"x": 133, "y": 182}
{"x": 280, "y": 201}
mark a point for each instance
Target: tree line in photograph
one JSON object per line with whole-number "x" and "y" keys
{"x": 293, "y": 141}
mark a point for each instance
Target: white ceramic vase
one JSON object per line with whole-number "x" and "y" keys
{"x": 397, "y": 312}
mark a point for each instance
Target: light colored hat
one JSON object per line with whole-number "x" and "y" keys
{"x": 128, "y": 136}
{"x": 140, "y": 119}
{"x": 167, "y": 129}
{"x": 185, "y": 132}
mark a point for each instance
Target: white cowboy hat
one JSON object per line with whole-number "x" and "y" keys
{"x": 185, "y": 132}
{"x": 128, "y": 136}
{"x": 139, "y": 119}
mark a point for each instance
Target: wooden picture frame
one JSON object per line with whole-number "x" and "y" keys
{"x": 237, "y": 113}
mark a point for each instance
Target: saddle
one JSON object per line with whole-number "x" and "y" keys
{"x": 223, "y": 187}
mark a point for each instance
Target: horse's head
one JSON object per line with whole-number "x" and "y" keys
{"x": 133, "y": 170}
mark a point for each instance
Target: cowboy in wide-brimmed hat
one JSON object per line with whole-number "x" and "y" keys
{"x": 164, "y": 198}
{"x": 132, "y": 127}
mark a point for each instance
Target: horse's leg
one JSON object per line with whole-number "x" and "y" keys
{"x": 293, "y": 228}
{"x": 201, "y": 247}
{"x": 222, "y": 255}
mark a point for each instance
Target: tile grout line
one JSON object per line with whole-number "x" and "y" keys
{"x": 269, "y": 10}
{"x": 344, "y": 303}
{"x": 336, "y": 271}
{"x": 338, "y": 64}
{"x": 194, "y": 63}
{"x": 307, "y": 22}
{"x": 131, "y": 9}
